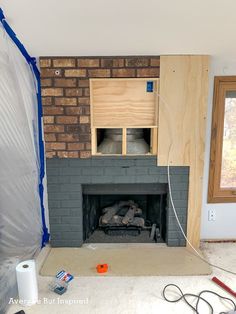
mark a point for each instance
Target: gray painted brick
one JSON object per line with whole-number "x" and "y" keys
{"x": 112, "y": 171}
{"x": 54, "y": 220}
{"x": 177, "y": 195}
{"x": 53, "y": 188}
{"x": 173, "y": 242}
{"x": 70, "y": 203}
{"x": 79, "y": 162}
{"x": 71, "y": 187}
{"x": 76, "y": 212}
{"x": 179, "y": 187}
{"x": 147, "y": 161}
{"x": 92, "y": 171}
{"x": 58, "y": 196}
{"x": 175, "y": 227}
{"x": 178, "y": 178}
{"x": 64, "y": 227}
{"x": 123, "y": 179}
{"x": 66, "y": 177}
{"x": 157, "y": 170}
{"x": 174, "y": 234}
{"x": 162, "y": 178}
{"x": 172, "y": 220}
{"x": 72, "y": 220}
{"x": 179, "y": 210}
{"x": 70, "y": 235}
{"x": 69, "y": 171}
{"x": 58, "y": 179}
{"x": 56, "y": 162}
{"x": 55, "y": 235}
{"x": 109, "y": 162}
{"x": 74, "y": 196}
{"x": 81, "y": 179}
{"x": 55, "y": 212}
{"x": 134, "y": 171}
{"x": 179, "y": 170}
{"x": 71, "y": 243}
{"x": 53, "y": 171}
{"x": 146, "y": 179}
{"x": 103, "y": 179}
{"x": 182, "y": 242}
{"x": 53, "y": 203}
{"x": 179, "y": 203}
{"x": 52, "y": 179}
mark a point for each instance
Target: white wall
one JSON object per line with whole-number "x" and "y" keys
{"x": 128, "y": 27}
{"x": 225, "y": 224}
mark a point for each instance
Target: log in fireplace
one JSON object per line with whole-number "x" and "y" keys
{"x": 124, "y": 213}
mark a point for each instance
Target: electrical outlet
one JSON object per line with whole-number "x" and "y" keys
{"x": 211, "y": 215}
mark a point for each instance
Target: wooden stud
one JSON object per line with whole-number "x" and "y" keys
{"x": 154, "y": 141}
{"x": 91, "y": 102}
{"x": 94, "y": 141}
{"x": 124, "y": 141}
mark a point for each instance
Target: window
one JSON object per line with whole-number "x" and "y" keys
{"x": 222, "y": 173}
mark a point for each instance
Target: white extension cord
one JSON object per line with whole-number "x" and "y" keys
{"x": 174, "y": 209}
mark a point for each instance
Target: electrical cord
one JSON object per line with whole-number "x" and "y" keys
{"x": 196, "y": 253}
{"x": 199, "y": 298}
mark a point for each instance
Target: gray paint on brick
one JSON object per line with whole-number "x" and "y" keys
{"x": 66, "y": 177}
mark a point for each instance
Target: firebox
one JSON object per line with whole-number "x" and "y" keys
{"x": 123, "y": 213}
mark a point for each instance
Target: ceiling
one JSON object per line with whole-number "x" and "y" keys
{"x": 124, "y": 27}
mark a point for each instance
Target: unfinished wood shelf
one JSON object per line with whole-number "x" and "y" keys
{"x": 130, "y": 103}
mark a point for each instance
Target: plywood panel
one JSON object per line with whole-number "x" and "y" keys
{"x": 123, "y": 103}
{"x": 182, "y": 115}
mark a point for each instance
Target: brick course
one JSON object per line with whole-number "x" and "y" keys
{"x": 66, "y": 101}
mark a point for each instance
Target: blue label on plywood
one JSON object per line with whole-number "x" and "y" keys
{"x": 150, "y": 86}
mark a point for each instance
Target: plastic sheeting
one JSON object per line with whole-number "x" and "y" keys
{"x": 20, "y": 211}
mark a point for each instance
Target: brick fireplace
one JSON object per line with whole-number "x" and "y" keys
{"x": 71, "y": 169}
{"x": 67, "y": 178}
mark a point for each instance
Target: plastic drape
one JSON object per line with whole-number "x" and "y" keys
{"x": 20, "y": 212}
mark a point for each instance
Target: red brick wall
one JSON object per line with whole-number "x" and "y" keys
{"x": 65, "y": 97}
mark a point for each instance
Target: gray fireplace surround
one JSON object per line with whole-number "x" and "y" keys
{"x": 66, "y": 178}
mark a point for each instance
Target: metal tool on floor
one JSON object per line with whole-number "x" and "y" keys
{"x": 223, "y": 286}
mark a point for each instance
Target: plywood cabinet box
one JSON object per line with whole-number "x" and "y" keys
{"x": 124, "y": 104}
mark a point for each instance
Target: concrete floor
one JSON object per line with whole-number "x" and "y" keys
{"x": 135, "y": 295}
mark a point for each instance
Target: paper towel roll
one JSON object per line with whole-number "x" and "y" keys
{"x": 27, "y": 282}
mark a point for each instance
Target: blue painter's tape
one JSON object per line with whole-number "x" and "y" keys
{"x": 32, "y": 63}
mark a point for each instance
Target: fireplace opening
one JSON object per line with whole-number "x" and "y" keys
{"x": 122, "y": 213}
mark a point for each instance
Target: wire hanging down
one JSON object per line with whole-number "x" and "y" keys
{"x": 196, "y": 253}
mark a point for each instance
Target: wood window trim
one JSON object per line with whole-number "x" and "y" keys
{"x": 215, "y": 193}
